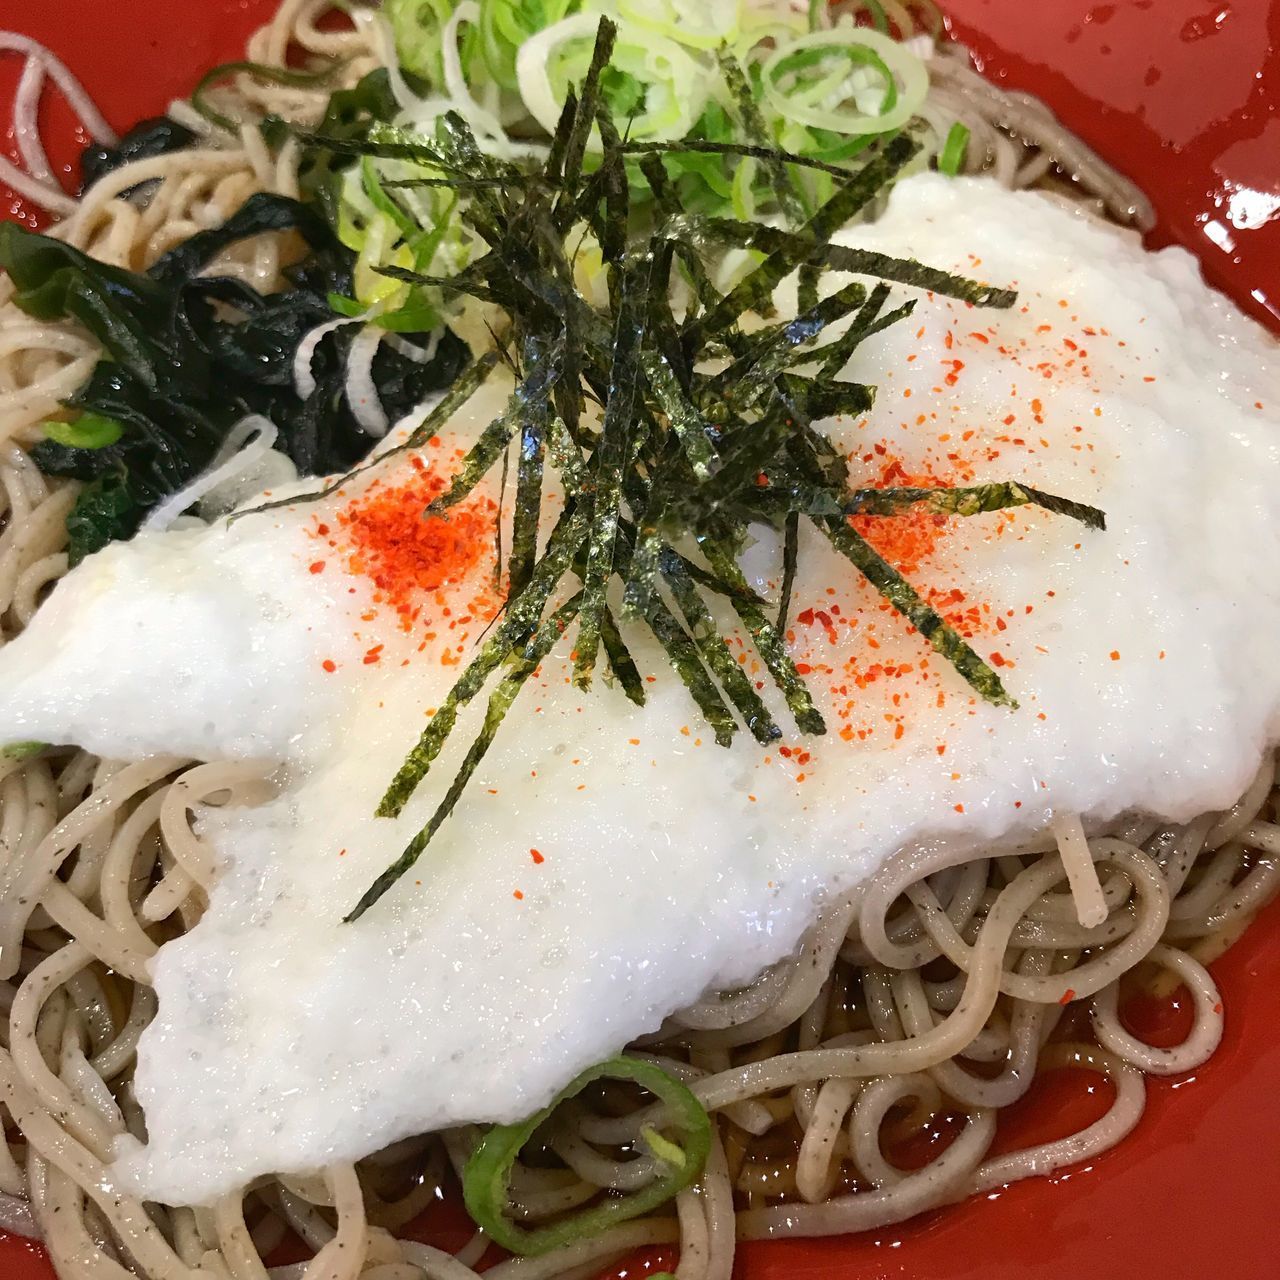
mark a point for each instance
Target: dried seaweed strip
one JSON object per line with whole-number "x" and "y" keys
{"x": 789, "y": 250}
{"x": 969, "y": 501}
{"x": 520, "y": 668}
{"x": 829, "y": 399}
{"x": 528, "y": 500}
{"x": 566, "y": 456}
{"x": 944, "y": 639}
{"x": 682, "y": 653}
{"x": 588, "y": 95}
{"x": 621, "y": 663}
{"x": 522, "y": 616}
{"x": 782, "y": 345}
{"x": 615, "y": 192}
{"x": 610, "y": 457}
{"x": 768, "y": 638}
{"x": 757, "y": 134}
{"x": 790, "y": 563}
{"x": 715, "y": 651}
{"x": 689, "y": 425}
{"x": 739, "y": 150}
{"x": 494, "y": 439}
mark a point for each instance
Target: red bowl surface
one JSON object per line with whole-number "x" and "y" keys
{"x": 1184, "y": 95}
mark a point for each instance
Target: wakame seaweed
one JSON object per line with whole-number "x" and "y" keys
{"x": 156, "y": 136}
{"x": 188, "y": 356}
{"x": 662, "y": 485}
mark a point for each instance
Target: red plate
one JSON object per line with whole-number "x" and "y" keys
{"x": 1185, "y": 96}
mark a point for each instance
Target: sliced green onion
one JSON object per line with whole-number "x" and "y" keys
{"x": 418, "y": 315}
{"x": 417, "y": 26}
{"x": 879, "y": 19}
{"x": 743, "y": 198}
{"x": 344, "y": 306}
{"x": 487, "y": 1176}
{"x": 675, "y": 84}
{"x": 371, "y": 182}
{"x": 88, "y": 431}
{"x": 761, "y": 23}
{"x": 22, "y": 750}
{"x": 906, "y": 81}
{"x": 700, "y": 24}
{"x": 506, "y": 24}
{"x": 383, "y": 233}
{"x": 954, "y": 151}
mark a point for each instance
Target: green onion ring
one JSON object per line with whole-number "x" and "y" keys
{"x": 954, "y": 150}
{"x": 487, "y": 1175}
{"x": 906, "y": 80}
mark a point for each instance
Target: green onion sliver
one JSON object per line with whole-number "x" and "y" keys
{"x": 954, "y": 150}
{"x": 416, "y": 26}
{"x": 505, "y": 26}
{"x": 88, "y": 431}
{"x": 879, "y": 19}
{"x": 676, "y": 84}
{"x": 709, "y": 24}
{"x": 487, "y": 1176}
{"x": 906, "y": 80}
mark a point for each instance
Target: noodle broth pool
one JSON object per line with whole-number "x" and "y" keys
{"x": 835, "y": 1255}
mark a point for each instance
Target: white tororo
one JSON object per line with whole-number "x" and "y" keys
{"x": 1143, "y": 659}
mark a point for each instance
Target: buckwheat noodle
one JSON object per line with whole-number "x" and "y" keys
{"x": 930, "y": 998}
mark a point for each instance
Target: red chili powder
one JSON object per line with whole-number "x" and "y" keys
{"x": 906, "y": 541}
{"x": 384, "y": 537}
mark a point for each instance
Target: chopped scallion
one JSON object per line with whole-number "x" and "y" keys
{"x": 955, "y": 150}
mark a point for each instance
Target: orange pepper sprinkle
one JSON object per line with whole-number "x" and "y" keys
{"x": 406, "y": 556}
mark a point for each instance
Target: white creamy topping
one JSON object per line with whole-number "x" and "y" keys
{"x": 1143, "y": 659}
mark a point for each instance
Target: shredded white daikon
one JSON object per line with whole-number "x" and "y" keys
{"x": 239, "y": 454}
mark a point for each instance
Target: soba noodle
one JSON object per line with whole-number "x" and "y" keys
{"x": 934, "y": 994}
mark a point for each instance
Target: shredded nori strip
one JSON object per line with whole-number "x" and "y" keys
{"x": 810, "y": 244}
{"x": 621, "y": 664}
{"x": 532, "y": 445}
{"x": 610, "y": 458}
{"x": 972, "y": 501}
{"x": 522, "y": 618}
{"x": 790, "y": 563}
{"x": 519, "y": 669}
{"x": 757, "y": 133}
{"x": 692, "y": 429}
{"x": 529, "y": 397}
{"x": 769, "y": 641}
{"x": 745, "y": 150}
{"x": 715, "y": 652}
{"x": 705, "y": 424}
{"x": 923, "y": 616}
